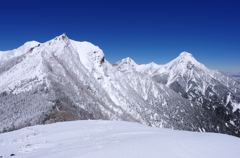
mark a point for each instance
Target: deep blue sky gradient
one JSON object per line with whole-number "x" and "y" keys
{"x": 146, "y": 31}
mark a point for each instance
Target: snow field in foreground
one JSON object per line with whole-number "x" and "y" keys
{"x": 108, "y": 139}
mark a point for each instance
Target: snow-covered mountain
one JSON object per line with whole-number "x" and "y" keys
{"x": 212, "y": 90}
{"x": 108, "y": 139}
{"x": 128, "y": 64}
{"x": 208, "y": 88}
{"x": 48, "y": 83}
{"x": 63, "y": 79}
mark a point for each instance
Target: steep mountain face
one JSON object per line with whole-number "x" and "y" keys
{"x": 63, "y": 80}
{"x": 48, "y": 83}
{"x": 213, "y": 90}
{"x": 138, "y": 95}
{"x": 144, "y": 82}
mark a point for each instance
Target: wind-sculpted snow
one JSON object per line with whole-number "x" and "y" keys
{"x": 63, "y": 80}
{"x": 108, "y": 139}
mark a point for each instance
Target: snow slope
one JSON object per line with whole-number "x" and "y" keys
{"x": 108, "y": 139}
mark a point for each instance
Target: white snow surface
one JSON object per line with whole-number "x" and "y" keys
{"x": 5, "y": 55}
{"x": 29, "y": 69}
{"x": 108, "y": 139}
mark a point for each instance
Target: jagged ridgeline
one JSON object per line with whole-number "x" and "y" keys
{"x": 63, "y": 80}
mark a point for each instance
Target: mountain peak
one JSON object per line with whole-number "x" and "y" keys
{"x": 62, "y": 36}
{"x": 128, "y": 59}
{"x": 184, "y": 54}
{"x": 184, "y": 62}
{"x": 153, "y": 64}
{"x": 57, "y": 40}
{"x": 126, "y": 64}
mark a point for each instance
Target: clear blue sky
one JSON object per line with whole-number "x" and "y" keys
{"x": 146, "y": 31}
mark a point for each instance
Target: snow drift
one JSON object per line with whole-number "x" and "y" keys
{"x": 88, "y": 139}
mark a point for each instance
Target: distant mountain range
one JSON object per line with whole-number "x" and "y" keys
{"x": 63, "y": 80}
{"x": 233, "y": 74}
